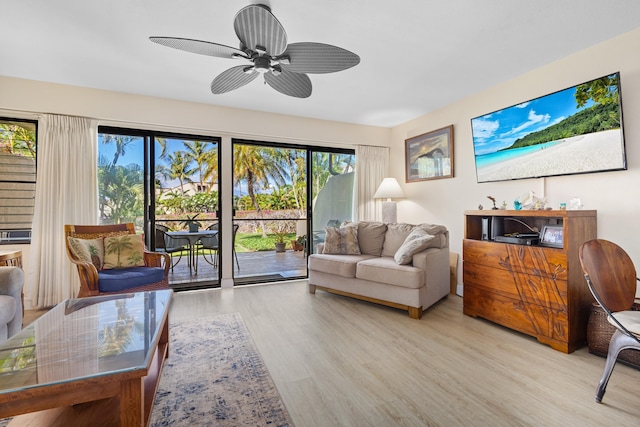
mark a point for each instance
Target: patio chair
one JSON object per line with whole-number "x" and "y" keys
{"x": 611, "y": 278}
{"x": 170, "y": 245}
{"x": 213, "y": 246}
{"x": 209, "y": 245}
{"x": 129, "y": 267}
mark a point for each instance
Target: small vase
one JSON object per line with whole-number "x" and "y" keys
{"x": 193, "y": 228}
{"x": 281, "y": 247}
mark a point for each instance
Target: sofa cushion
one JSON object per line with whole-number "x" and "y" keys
{"x": 340, "y": 265}
{"x": 418, "y": 240}
{"x": 371, "y": 237}
{"x": 119, "y": 279}
{"x": 123, "y": 251}
{"x": 88, "y": 250}
{"x": 343, "y": 240}
{"x": 394, "y": 238}
{"x": 385, "y": 270}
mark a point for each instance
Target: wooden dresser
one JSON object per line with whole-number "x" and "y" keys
{"x": 536, "y": 290}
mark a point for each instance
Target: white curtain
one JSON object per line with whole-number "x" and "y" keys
{"x": 372, "y": 166}
{"x": 66, "y": 193}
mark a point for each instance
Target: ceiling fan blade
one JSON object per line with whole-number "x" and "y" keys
{"x": 199, "y": 46}
{"x": 318, "y": 58}
{"x": 289, "y": 83}
{"x": 231, "y": 79}
{"x": 255, "y": 26}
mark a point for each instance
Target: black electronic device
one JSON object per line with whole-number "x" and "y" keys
{"x": 492, "y": 226}
{"x": 528, "y": 239}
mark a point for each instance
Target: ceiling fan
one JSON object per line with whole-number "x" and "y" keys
{"x": 263, "y": 42}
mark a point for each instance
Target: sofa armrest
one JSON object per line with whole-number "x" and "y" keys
{"x": 435, "y": 264}
{"x": 11, "y": 284}
{"x": 11, "y": 281}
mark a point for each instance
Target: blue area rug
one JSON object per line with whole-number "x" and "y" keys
{"x": 214, "y": 376}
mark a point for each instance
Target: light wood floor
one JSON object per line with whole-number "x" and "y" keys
{"x": 342, "y": 362}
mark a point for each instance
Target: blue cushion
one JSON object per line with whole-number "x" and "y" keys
{"x": 119, "y": 279}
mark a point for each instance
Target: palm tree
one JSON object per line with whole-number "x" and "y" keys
{"x": 121, "y": 142}
{"x": 251, "y": 163}
{"x": 198, "y": 152}
{"x": 294, "y": 161}
{"x": 179, "y": 168}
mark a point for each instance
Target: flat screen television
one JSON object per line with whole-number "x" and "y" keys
{"x": 572, "y": 131}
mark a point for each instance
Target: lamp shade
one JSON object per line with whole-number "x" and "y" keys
{"x": 389, "y": 189}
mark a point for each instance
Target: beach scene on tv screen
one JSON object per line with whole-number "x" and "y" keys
{"x": 576, "y": 130}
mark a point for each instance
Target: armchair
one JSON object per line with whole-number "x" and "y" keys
{"x": 93, "y": 247}
{"x": 11, "y": 283}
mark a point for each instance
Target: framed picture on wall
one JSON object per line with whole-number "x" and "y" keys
{"x": 430, "y": 155}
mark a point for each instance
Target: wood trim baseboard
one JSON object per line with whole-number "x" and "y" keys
{"x": 414, "y": 312}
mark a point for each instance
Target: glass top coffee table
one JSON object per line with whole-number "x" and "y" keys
{"x": 98, "y": 358}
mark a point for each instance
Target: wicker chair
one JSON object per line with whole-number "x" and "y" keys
{"x": 146, "y": 279}
{"x": 612, "y": 280}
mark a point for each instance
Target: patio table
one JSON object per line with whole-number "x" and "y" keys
{"x": 192, "y": 237}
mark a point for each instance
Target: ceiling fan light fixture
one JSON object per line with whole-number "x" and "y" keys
{"x": 262, "y": 64}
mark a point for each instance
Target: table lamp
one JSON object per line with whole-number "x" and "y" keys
{"x": 389, "y": 189}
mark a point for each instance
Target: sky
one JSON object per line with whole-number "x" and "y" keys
{"x": 501, "y": 128}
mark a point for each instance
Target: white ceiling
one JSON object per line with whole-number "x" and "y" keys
{"x": 416, "y": 55}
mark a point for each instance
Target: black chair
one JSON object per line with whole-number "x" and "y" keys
{"x": 612, "y": 280}
{"x": 209, "y": 245}
{"x": 212, "y": 245}
{"x": 170, "y": 245}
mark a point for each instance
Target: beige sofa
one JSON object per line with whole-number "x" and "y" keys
{"x": 375, "y": 274}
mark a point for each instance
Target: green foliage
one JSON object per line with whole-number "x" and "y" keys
{"x": 252, "y": 242}
{"x": 201, "y": 202}
{"x": 601, "y": 91}
{"x": 17, "y": 140}
{"x": 598, "y": 118}
{"x": 279, "y": 199}
{"x": 120, "y": 192}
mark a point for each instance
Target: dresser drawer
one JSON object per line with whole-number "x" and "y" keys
{"x": 539, "y": 290}
{"x": 532, "y": 260}
{"x": 524, "y": 317}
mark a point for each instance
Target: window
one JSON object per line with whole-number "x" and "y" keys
{"x": 17, "y": 179}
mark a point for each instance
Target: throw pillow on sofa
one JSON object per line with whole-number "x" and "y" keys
{"x": 123, "y": 251}
{"x": 371, "y": 237}
{"x": 418, "y": 240}
{"x": 87, "y": 250}
{"x": 395, "y": 236}
{"x": 342, "y": 241}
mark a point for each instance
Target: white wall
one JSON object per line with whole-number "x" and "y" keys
{"x": 615, "y": 195}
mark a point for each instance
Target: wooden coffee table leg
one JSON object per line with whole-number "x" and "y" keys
{"x": 131, "y": 403}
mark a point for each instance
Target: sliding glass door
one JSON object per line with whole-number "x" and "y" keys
{"x": 270, "y": 211}
{"x": 164, "y": 183}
